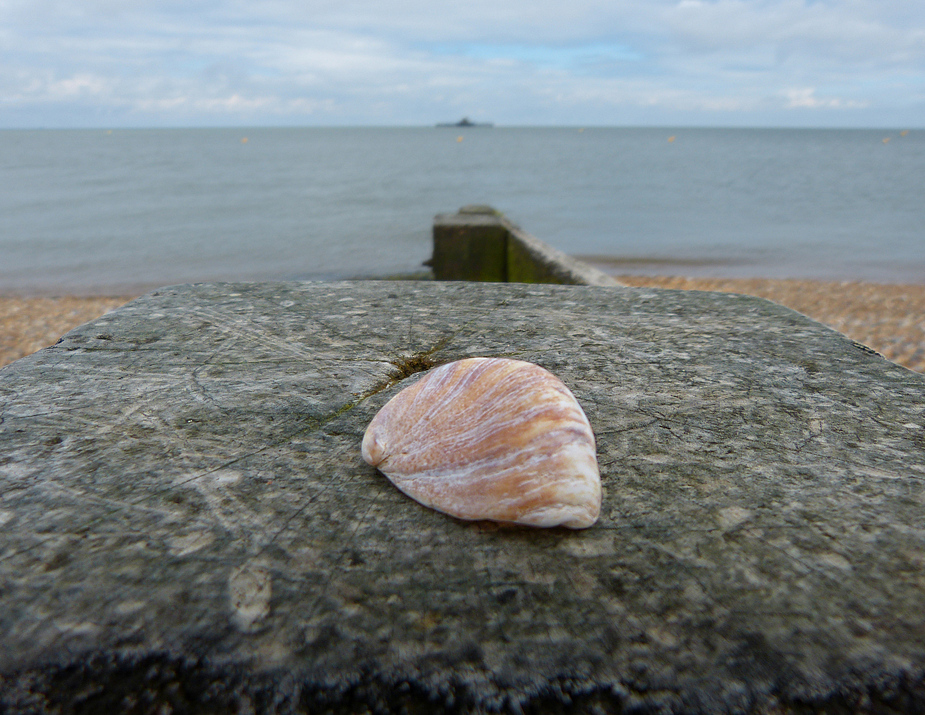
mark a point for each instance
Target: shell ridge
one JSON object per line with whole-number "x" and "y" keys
{"x": 488, "y": 452}
{"x": 476, "y": 475}
{"x": 479, "y": 432}
{"x": 417, "y": 398}
{"x": 476, "y": 426}
{"x": 499, "y": 463}
{"x": 437, "y": 382}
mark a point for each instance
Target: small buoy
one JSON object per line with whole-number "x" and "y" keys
{"x": 581, "y": 130}
{"x": 886, "y": 140}
{"x": 458, "y": 139}
{"x": 244, "y": 140}
{"x": 904, "y": 132}
{"x": 671, "y": 139}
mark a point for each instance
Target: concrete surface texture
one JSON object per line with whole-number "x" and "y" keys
{"x": 187, "y": 523}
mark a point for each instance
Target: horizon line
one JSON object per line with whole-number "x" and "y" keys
{"x": 441, "y": 126}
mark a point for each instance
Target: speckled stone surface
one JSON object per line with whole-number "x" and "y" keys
{"x": 186, "y": 523}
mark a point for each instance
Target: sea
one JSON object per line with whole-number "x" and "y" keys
{"x": 100, "y": 211}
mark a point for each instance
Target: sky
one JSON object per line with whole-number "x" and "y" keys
{"x": 115, "y": 63}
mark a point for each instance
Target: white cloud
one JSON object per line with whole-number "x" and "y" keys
{"x": 805, "y": 97}
{"x": 78, "y": 85}
{"x": 855, "y": 33}
{"x": 409, "y": 61}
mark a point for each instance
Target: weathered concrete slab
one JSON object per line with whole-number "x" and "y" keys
{"x": 187, "y": 524}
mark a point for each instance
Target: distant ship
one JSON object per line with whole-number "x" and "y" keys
{"x": 465, "y": 122}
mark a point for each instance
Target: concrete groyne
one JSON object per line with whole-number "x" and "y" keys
{"x": 479, "y": 244}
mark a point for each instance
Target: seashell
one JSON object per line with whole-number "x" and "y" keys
{"x": 490, "y": 438}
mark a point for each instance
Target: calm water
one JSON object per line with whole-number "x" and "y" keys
{"x": 98, "y": 211}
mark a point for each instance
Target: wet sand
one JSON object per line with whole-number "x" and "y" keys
{"x": 888, "y": 318}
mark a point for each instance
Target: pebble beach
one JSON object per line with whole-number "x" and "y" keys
{"x": 28, "y": 324}
{"x": 886, "y": 317}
